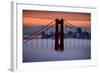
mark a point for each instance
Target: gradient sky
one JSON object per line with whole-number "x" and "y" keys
{"x": 34, "y": 18}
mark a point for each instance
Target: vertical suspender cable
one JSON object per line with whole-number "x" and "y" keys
{"x": 37, "y": 43}
{"x": 31, "y": 43}
{"x": 47, "y": 40}
{"x": 42, "y": 40}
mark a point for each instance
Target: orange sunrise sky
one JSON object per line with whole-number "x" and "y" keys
{"x": 34, "y": 18}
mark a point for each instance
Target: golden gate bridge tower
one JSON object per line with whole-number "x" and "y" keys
{"x": 59, "y": 35}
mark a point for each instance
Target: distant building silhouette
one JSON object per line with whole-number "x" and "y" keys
{"x": 78, "y": 34}
{"x": 70, "y": 34}
{"x": 43, "y": 34}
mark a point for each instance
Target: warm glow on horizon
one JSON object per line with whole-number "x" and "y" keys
{"x": 36, "y": 21}
{"x": 37, "y": 18}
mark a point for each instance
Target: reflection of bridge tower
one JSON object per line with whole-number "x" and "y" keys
{"x": 59, "y": 35}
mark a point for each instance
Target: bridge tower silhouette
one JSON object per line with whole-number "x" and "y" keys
{"x": 59, "y": 35}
